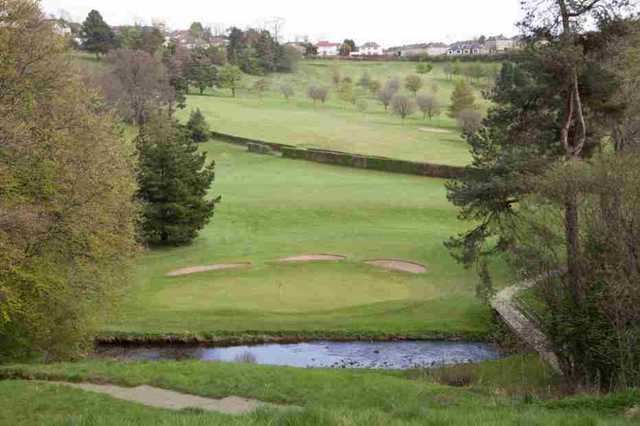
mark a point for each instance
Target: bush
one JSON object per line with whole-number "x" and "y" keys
{"x": 198, "y": 127}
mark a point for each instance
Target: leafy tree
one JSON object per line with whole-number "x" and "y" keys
{"x": 197, "y": 30}
{"x": 201, "y": 74}
{"x": 197, "y": 127}
{"x": 428, "y": 105}
{"x": 97, "y": 36}
{"x": 413, "y": 83}
{"x": 174, "y": 179}
{"x": 287, "y": 58}
{"x": 347, "y": 47}
{"x": 462, "y": 99}
{"x": 67, "y": 186}
{"x": 149, "y": 39}
{"x": 402, "y": 106}
{"x": 230, "y": 77}
{"x": 310, "y": 49}
{"x": 345, "y": 91}
{"x": 136, "y": 83}
{"x": 175, "y": 59}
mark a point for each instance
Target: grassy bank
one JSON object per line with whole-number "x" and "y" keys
{"x": 327, "y": 397}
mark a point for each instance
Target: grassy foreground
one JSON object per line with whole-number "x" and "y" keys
{"x": 339, "y": 125}
{"x": 274, "y": 208}
{"x": 500, "y": 393}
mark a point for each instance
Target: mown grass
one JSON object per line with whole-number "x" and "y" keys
{"x": 339, "y": 125}
{"x": 274, "y": 208}
{"x": 327, "y": 397}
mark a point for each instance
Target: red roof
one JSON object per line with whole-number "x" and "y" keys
{"x": 327, "y": 44}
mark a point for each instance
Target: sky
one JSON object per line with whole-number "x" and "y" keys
{"x": 387, "y": 23}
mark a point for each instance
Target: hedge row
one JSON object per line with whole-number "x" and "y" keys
{"x": 345, "y": 159}
{"x": 374, "y": 163}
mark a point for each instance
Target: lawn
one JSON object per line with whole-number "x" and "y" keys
{"x": 339, "y": 125}
{"x": 326, "y": 397}
{"x": 273, "y": 208}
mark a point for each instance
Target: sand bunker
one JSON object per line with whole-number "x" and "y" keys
{"x": 398, "y": 265}
{"x": 313, "y": 258}
{"x": 161, "y": 398}
{"x": 208, "y": 268}
{"x": 434, "y": 130}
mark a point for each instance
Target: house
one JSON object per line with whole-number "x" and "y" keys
{"x": 326, "y": 48}
{"x": 370, "y": 49}
{"x": 186, "y": 39}
{"x": 497, "y": 45}
{"x": 421, "y": 49}
{"x": 466, "y": 49}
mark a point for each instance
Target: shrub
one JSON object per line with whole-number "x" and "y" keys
{"x": 413, "y": 83}
{"x": 198, "y": 127}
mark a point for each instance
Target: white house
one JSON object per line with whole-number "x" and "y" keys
{"x": 462, "y": 49}
{"x": 500, "y": 44}
{"x": 370, "y": 49}
{"x": 326, "y": 48}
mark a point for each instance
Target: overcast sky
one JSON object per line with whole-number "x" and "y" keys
{"x": 388, "y": 23}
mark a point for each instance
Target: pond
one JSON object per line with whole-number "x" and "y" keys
{"x": 375, "y": 355}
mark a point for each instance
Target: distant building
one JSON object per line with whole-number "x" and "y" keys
{"x": 421, "y": 49}
{"x": 466, "y": 49}
{"x": 498, "y": 45}
{"x": 186, "y": 39}
{"x": 369, "y": 49}
{"x": 326, "y": 48}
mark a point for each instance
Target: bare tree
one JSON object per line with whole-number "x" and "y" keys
{"x": 286, "y": 90}
{"x": 469, "y": 121}
{"x": 136, "y": 83}
{"x": 402, "y": 106}
{"x": 428, "y": 104}
{"x": 318, "y": 93}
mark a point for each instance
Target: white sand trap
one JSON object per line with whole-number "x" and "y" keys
{"x": 398, "y": 265}
{"x": 314, "y": 258}
{"x": 171, "y": 400}
{"x": 208, "y": 268}
{"x": 434, "y": 130}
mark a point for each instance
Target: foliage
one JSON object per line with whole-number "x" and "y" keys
{"x": 197, "y": 127}
{"x": 462, "y": 99}
{"x": 257, "y": 52}
{"x": 595, "y": 330}
{"x": 424, "y": 68}
{"x": 135, "y": 83}
{"x": 230, "y": 77}
{"x": 137, "y": 37}
{"x": 201, "y": 73}
{"x": 345, "y": 92}
{"x": 174, "y": 179}
{"x": 413, "y": 83}
{"x": 402, "y": 106}
{"x": 97, "y": 36}
{"x": 67, "y": 227}
{"x": 347, "y": 47}
{"x": 261, "y": 86}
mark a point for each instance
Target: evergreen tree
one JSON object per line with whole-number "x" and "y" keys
{"x": 462, "y": 99}
{"x": 174, "y": 180}
{"x": 198, "y": 127}
{"x": 97, "y": 35}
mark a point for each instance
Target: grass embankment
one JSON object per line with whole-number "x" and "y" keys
{"x": 274, "y": 208}
{"x": 504, "y": 392}
{"x": 339, "y": 125}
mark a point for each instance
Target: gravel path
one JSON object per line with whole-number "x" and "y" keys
{"x": 161, "y": 398}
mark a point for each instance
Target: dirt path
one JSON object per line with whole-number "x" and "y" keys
{"x": 161, "y": 398}
{"x": 398, "y": 265}
{"x": 507, "y": 308}
{"x": 207, "y": 268}
{"x": 313, "y": 258}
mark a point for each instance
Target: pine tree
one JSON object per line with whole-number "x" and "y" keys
{"x": 98, "y": 36}
{"x": 174, "y": 180}
{"x": 198, "y": 127}
{"x": 462, "y": 99}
